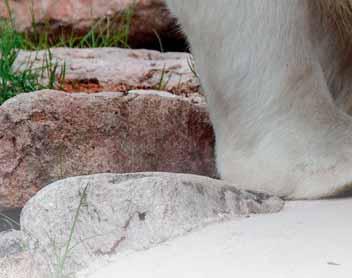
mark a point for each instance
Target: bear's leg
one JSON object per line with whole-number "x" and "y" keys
{"x": 334, "y": 50}
{"x": 277, "y": 128}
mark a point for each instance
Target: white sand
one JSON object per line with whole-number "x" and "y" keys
{"x": 308, "y": 239}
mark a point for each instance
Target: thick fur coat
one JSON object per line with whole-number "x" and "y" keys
{"x": 336, "y": 15}
{"x": 271, "y": 70}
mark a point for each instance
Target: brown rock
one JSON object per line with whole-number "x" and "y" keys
{"x": 49, "y": 135}
{"x": 78, "y": 16}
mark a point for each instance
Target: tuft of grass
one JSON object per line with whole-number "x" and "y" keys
{"x": 163, "y": 81}
{"x": 192, "y": 67}
{"x": 60, "y": 266}
{"x": 13, "y": 82}
{"x": 61, "y": 253}
{"x": 102, "y": 34}
{"x": 161, "y": 47}
{"x": 11, "y": 223}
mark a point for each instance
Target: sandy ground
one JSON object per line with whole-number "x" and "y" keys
{"x": 307, "y": 239}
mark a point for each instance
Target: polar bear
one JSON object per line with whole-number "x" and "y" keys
{"x": 269, "y": 69}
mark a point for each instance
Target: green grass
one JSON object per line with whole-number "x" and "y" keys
{"x": 61, "y": 253}
{"x": 104, "y": 33}
{"x": 13, "y": 82}
{"x": 163, "y": 81}
{"x": 59, "y": 271}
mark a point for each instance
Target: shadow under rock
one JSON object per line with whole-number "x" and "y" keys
{"x": 10, "y": 219}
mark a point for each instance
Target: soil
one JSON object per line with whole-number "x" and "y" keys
{"x": 94, "y": 86}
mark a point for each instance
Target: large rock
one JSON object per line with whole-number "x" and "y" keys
{"x": 108, "y": 213}
{"x": 115, "y": 69}
{"x": 78, "y": 16}
{"x": 48, "y": 135}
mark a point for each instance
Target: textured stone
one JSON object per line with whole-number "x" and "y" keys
{"x": 48, "y": 135}
{"x": 115, "y": 69}
{"x": 21, "y": 265}
{"x": 11, "y": 243}
{"x": 129, "y": 212}
{"x": 78, "y": 16}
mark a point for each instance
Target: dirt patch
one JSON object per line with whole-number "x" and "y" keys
{"x": 94, "y": 86}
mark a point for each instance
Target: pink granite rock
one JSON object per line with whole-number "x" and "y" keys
{"x": 48, "y": 135}
{"x": 149, "y": 16}
{"x": 116, "y": 69}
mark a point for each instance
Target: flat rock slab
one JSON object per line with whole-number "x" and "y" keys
{"x": 116, "y": 69}
{"x": 128, "y": 212}
{"x": 49, "y": 135}
{"x": 306, "y": 239}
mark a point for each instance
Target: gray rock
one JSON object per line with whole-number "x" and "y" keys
{"x": 21, "y": 265}
{"x": 11, "y": 243}
{"x": 128, "y": 212}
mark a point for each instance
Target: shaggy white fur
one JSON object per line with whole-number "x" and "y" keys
{"x": 269, "y": 68}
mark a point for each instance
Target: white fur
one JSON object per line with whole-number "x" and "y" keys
{"x": 267, "y": 68}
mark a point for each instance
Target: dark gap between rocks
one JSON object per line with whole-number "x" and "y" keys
{"x": 6, "y": 224}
